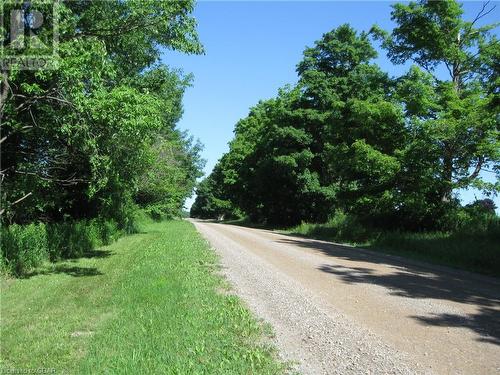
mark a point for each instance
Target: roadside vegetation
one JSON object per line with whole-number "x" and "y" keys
{"x": 357, "y": 155}
{"x": 473, "y": 247}
{"x": 149, "y": 303}
{"x": 86, "y": 145}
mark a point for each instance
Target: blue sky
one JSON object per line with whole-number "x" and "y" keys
{"x": 252, "y": 48}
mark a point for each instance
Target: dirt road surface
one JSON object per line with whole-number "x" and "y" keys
{"x": 341, "y": 310}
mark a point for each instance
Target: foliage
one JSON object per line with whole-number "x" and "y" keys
{"x": 389, "y": 151}
{"x": 474, "y": 247}
{"x": 87, "y": 144}
{"x": 163, "y": 189}
{"x": 472, "y": 244}
{"x": 209, "y": 204}
{"x": 339, "y": 227}
{"x": 25, "y": 247}
{"x": 88, "y": 138}
{"x": 456, "y": 114}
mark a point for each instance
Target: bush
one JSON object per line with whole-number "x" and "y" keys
{"x": 126, "y": 217}
{"x": 477, "y": 218}
{"x": 472, "y": 244}
{"x": 71, "y": 239}
{"x": 156, "y": 213}
{"x": 109, "y": 232}
{"x": 340, "y": 227}
{"x": 23, "y": 247}
{"x": 74, "y": 239}
{"x": 478, "y": 252}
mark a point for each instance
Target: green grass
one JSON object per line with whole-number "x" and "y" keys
{"x": 479, "y": 254}
{"x": 472, "y": 252}
{"x": 151, "y": 303}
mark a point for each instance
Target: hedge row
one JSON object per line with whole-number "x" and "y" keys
{"x": 27, "y": 246}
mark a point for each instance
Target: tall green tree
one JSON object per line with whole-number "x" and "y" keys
{"x": 458, "y": 114}
{"x": 165, "y": 185}
{"x": 330, "y": 142}
{"x": 389, "y": 150}
{"x": 77, "y": 140}
{"x": 356, "y": 124}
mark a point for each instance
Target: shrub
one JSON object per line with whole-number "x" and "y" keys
{"x": 126, "y": 217}
{"x": 479, "y": 252}
{"x": 472, "y": 244}
{"x": 493, "y": 231}
{"x": 57, "y": 244}
{"x": 477, "y": 218}
{"x": 340, "y": 227}
{"x": 73, "y": 239}
{"x": 109, "y": 231}
{"x": 70, "y": 239}
{"x": 156, "y": 212}
{"x": 23, "y": 247}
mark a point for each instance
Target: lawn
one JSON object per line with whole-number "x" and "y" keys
{"x": 151, "y": 303}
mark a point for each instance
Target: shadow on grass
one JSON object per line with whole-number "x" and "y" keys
{"x": 74, "y": 271}
{"x": 411, "y": 279}
{"x": 97, "y": 254}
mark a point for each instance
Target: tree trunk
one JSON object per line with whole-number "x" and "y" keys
{"x": 447, "y": 174}
{"x": 4, "y": 92}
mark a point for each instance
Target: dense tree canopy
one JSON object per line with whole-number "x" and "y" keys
{"x": 97, "y": 133}
{"x": 391, "y": 150}
{"x": 460, "y": 119}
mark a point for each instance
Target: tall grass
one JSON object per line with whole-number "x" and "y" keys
{"x": 24, "y": 247}
{"x": 474, "y": 245}
{"x": 479, "y": 253}
{"x": 340, "y": 227}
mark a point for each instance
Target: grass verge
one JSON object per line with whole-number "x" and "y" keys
{"x": 471, "y": 252}
{"x": 147, "y": 304}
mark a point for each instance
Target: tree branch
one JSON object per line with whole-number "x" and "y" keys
{"x": 64, "y": 182}
{"x": 4, "y": 92}
{"x": 479, "y": 165}
{"x": 15, "y": 131}
{"x": 32, "y": 100}
{"x": 16, "y": 202}
{"x": 482, "y": 13}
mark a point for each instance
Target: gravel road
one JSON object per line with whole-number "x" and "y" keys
{"x": 341, "y": 310}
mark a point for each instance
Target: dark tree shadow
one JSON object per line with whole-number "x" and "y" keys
{"x": 97, "y": 253}
{"x": 486, "y": 323}
{"x": 412, "y": 279}
{"x": 74, "y": 271}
